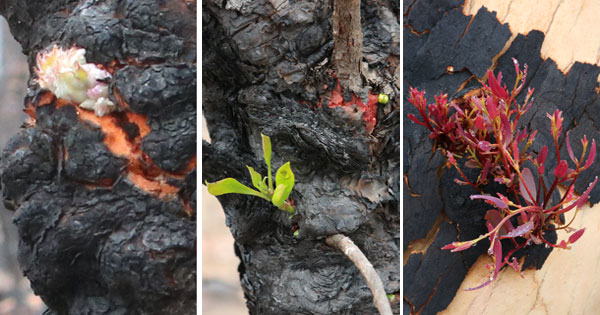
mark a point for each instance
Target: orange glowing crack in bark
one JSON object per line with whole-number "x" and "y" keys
{"x": 141, "y": 170}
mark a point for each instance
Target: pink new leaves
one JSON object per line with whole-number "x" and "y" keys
{"x": 483, "y": 127}
{"x": 556, "y": 120}
{"x": 494, "y": 84}
{"x": 439, "y": 120}
{"x": 584, "y": 144}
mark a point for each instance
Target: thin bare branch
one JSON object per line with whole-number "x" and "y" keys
{"x": 365, "y": 267}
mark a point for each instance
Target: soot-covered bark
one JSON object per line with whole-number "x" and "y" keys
{"x": 105, "y": 206}
{"x": 266, "y": 69}
{"x": 435, "y": 40}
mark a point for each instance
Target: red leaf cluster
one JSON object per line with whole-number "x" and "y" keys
{"x": 483, "y": 129}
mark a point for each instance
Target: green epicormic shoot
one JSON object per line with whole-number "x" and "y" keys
{"x": 277, "y": 194}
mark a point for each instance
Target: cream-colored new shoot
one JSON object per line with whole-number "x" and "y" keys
{"x": 66, "y": 73}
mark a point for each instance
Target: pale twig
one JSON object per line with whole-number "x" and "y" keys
{"x": 365, "y": 267}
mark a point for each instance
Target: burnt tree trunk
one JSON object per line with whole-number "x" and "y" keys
{"x": 447, "y": 51}
{"x": 267, "y": 68}
{"x": 105, "y": 206}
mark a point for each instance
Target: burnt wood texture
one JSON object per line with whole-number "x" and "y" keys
{"x": 437, "y": 34}
{"x": 105, "y": 207}
{"x": 267, "y": 69}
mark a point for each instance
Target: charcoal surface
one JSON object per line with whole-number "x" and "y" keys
{"x": 435, "y": 40}
{"x": 105, "y": 206}
{"x": 266, "y": 69}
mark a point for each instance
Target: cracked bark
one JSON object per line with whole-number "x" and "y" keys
{"x": 105, "y": 207}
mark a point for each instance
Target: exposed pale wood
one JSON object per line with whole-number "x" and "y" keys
{"x": 566, "y": 284}
{"x": 570, "y": 26}
{"x": 422, "y": 245}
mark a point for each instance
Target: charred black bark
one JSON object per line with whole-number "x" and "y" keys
{"x": 105, "y": 208}
{"x": 266, "y": 69}
{"x": 434, "y": 40}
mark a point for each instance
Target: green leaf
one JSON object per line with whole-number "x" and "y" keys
{"x": 391, "y": 297}
{"x": 266, "y": 143}
{"x": 257, "y": 180}
{"x": 263, "y": 186}
{"x": 285, "y": 177}
{"x": 296, "y": 233}
{"x": 231, "y": 186}
{"x": 277, "y": 198}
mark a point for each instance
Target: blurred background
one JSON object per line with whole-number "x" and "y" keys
{"x": 221, "y": 289}
{"x": 16, "y": 297}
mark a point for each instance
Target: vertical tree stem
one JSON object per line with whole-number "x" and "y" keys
{"x": 348, "y": 39}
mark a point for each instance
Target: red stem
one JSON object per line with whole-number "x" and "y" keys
{"x": 563, "y": 198}
{"x": 550, "y": 191}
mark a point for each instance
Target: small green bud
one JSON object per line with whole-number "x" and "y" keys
{"x": 383, "y": 98}
{"x": 391, "y": 297}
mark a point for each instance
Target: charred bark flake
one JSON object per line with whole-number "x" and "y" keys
{"x": 105, "y": 206}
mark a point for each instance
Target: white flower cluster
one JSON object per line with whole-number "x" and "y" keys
{"x": 67, "y": 74}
